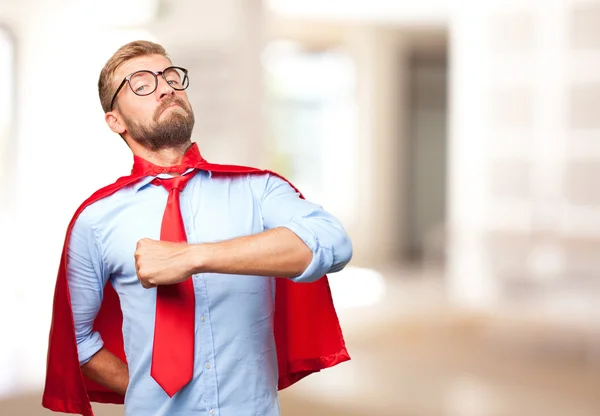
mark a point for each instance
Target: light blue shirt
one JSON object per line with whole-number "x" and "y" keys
{"x": 235, "y": 365}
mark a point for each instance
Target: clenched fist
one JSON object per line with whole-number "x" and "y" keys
{"x": 162, "y": 262}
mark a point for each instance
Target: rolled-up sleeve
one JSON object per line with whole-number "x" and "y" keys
{"x": 281, "y": 206}
{"x": 86, "y": 279}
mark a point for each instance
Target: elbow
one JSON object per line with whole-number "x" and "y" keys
{"x": 303, "y": 259}
{"x": 329, "y": 250}
{"x": 87, "y": 346}
{"x": 343, "y": 251}
{"x": 347, "y": 250}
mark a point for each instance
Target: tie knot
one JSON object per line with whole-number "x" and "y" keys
{"x": 177, "y": 182}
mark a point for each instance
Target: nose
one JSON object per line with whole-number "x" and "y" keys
{"x": 164, "y": 89}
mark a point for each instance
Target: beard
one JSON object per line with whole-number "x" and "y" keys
{"x": 174, "y": 130}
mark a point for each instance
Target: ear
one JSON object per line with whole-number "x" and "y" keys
{"x": 115, "y": 122}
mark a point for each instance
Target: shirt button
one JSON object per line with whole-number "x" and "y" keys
{"x": 211, "y": 411}
{"x": 203, "y": 318}
{"x": 208, "y": 365}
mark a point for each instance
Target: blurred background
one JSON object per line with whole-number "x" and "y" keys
{"x": 456, "y": 140}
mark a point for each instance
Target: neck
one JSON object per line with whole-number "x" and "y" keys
{"x": 171, "y": 156}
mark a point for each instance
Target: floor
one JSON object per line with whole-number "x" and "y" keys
{"x": 414, "y": 355}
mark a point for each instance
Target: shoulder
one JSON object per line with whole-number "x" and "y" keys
{"x": 236, "y": 173}
{"x": 261, "y": 182}
{"x": 101, "y": 202}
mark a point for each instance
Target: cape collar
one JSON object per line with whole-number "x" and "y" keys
{"x": 191, "y": 159}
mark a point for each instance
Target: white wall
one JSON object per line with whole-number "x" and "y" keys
{"x": 524, "y": 207}
{"x": 65, "y": 151}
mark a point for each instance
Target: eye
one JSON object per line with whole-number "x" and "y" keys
{"x": 141, "y": 88}
{"x": 142, "y": 82}
{"x": 173, "y": 77}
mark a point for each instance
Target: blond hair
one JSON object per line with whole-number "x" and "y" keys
{"x": 135, "y": 49}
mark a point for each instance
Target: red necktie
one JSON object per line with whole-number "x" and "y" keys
{"x": 173, "y": 348}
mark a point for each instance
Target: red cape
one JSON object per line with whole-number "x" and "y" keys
{"x": 307, "y": 332}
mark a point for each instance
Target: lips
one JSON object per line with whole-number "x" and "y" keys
{"x": 173, "y": 104}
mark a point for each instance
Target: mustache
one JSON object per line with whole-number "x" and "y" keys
{"x": 167, "y": 103}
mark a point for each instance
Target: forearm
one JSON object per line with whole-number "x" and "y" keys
{"x": 108, "y": 370}
{"x": 277, "y": 252}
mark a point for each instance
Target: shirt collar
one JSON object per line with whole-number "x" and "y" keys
{"x": 146, "y": 180}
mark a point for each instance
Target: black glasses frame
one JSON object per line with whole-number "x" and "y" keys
{"x": 185, "y": 82}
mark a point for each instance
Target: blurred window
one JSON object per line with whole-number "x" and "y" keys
{"x": 7, "y": 113}
{"x": 310, "y": 98}
{"x": 7, "y": 94}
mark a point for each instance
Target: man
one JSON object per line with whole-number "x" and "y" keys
{"x": 198, "y": 308}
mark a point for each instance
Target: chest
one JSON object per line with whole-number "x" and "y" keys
{"x": 210, "y": 213}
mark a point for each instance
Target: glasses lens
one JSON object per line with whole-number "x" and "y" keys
{"x": 143, "y": 83}
{"x": 177, "y": 78}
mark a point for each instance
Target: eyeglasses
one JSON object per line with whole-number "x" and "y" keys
{"x": 145, "y": 82}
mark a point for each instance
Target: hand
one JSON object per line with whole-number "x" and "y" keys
{"x": 162, "y": 262}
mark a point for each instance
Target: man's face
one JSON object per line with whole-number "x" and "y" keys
{"x": 163, "y": 119}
